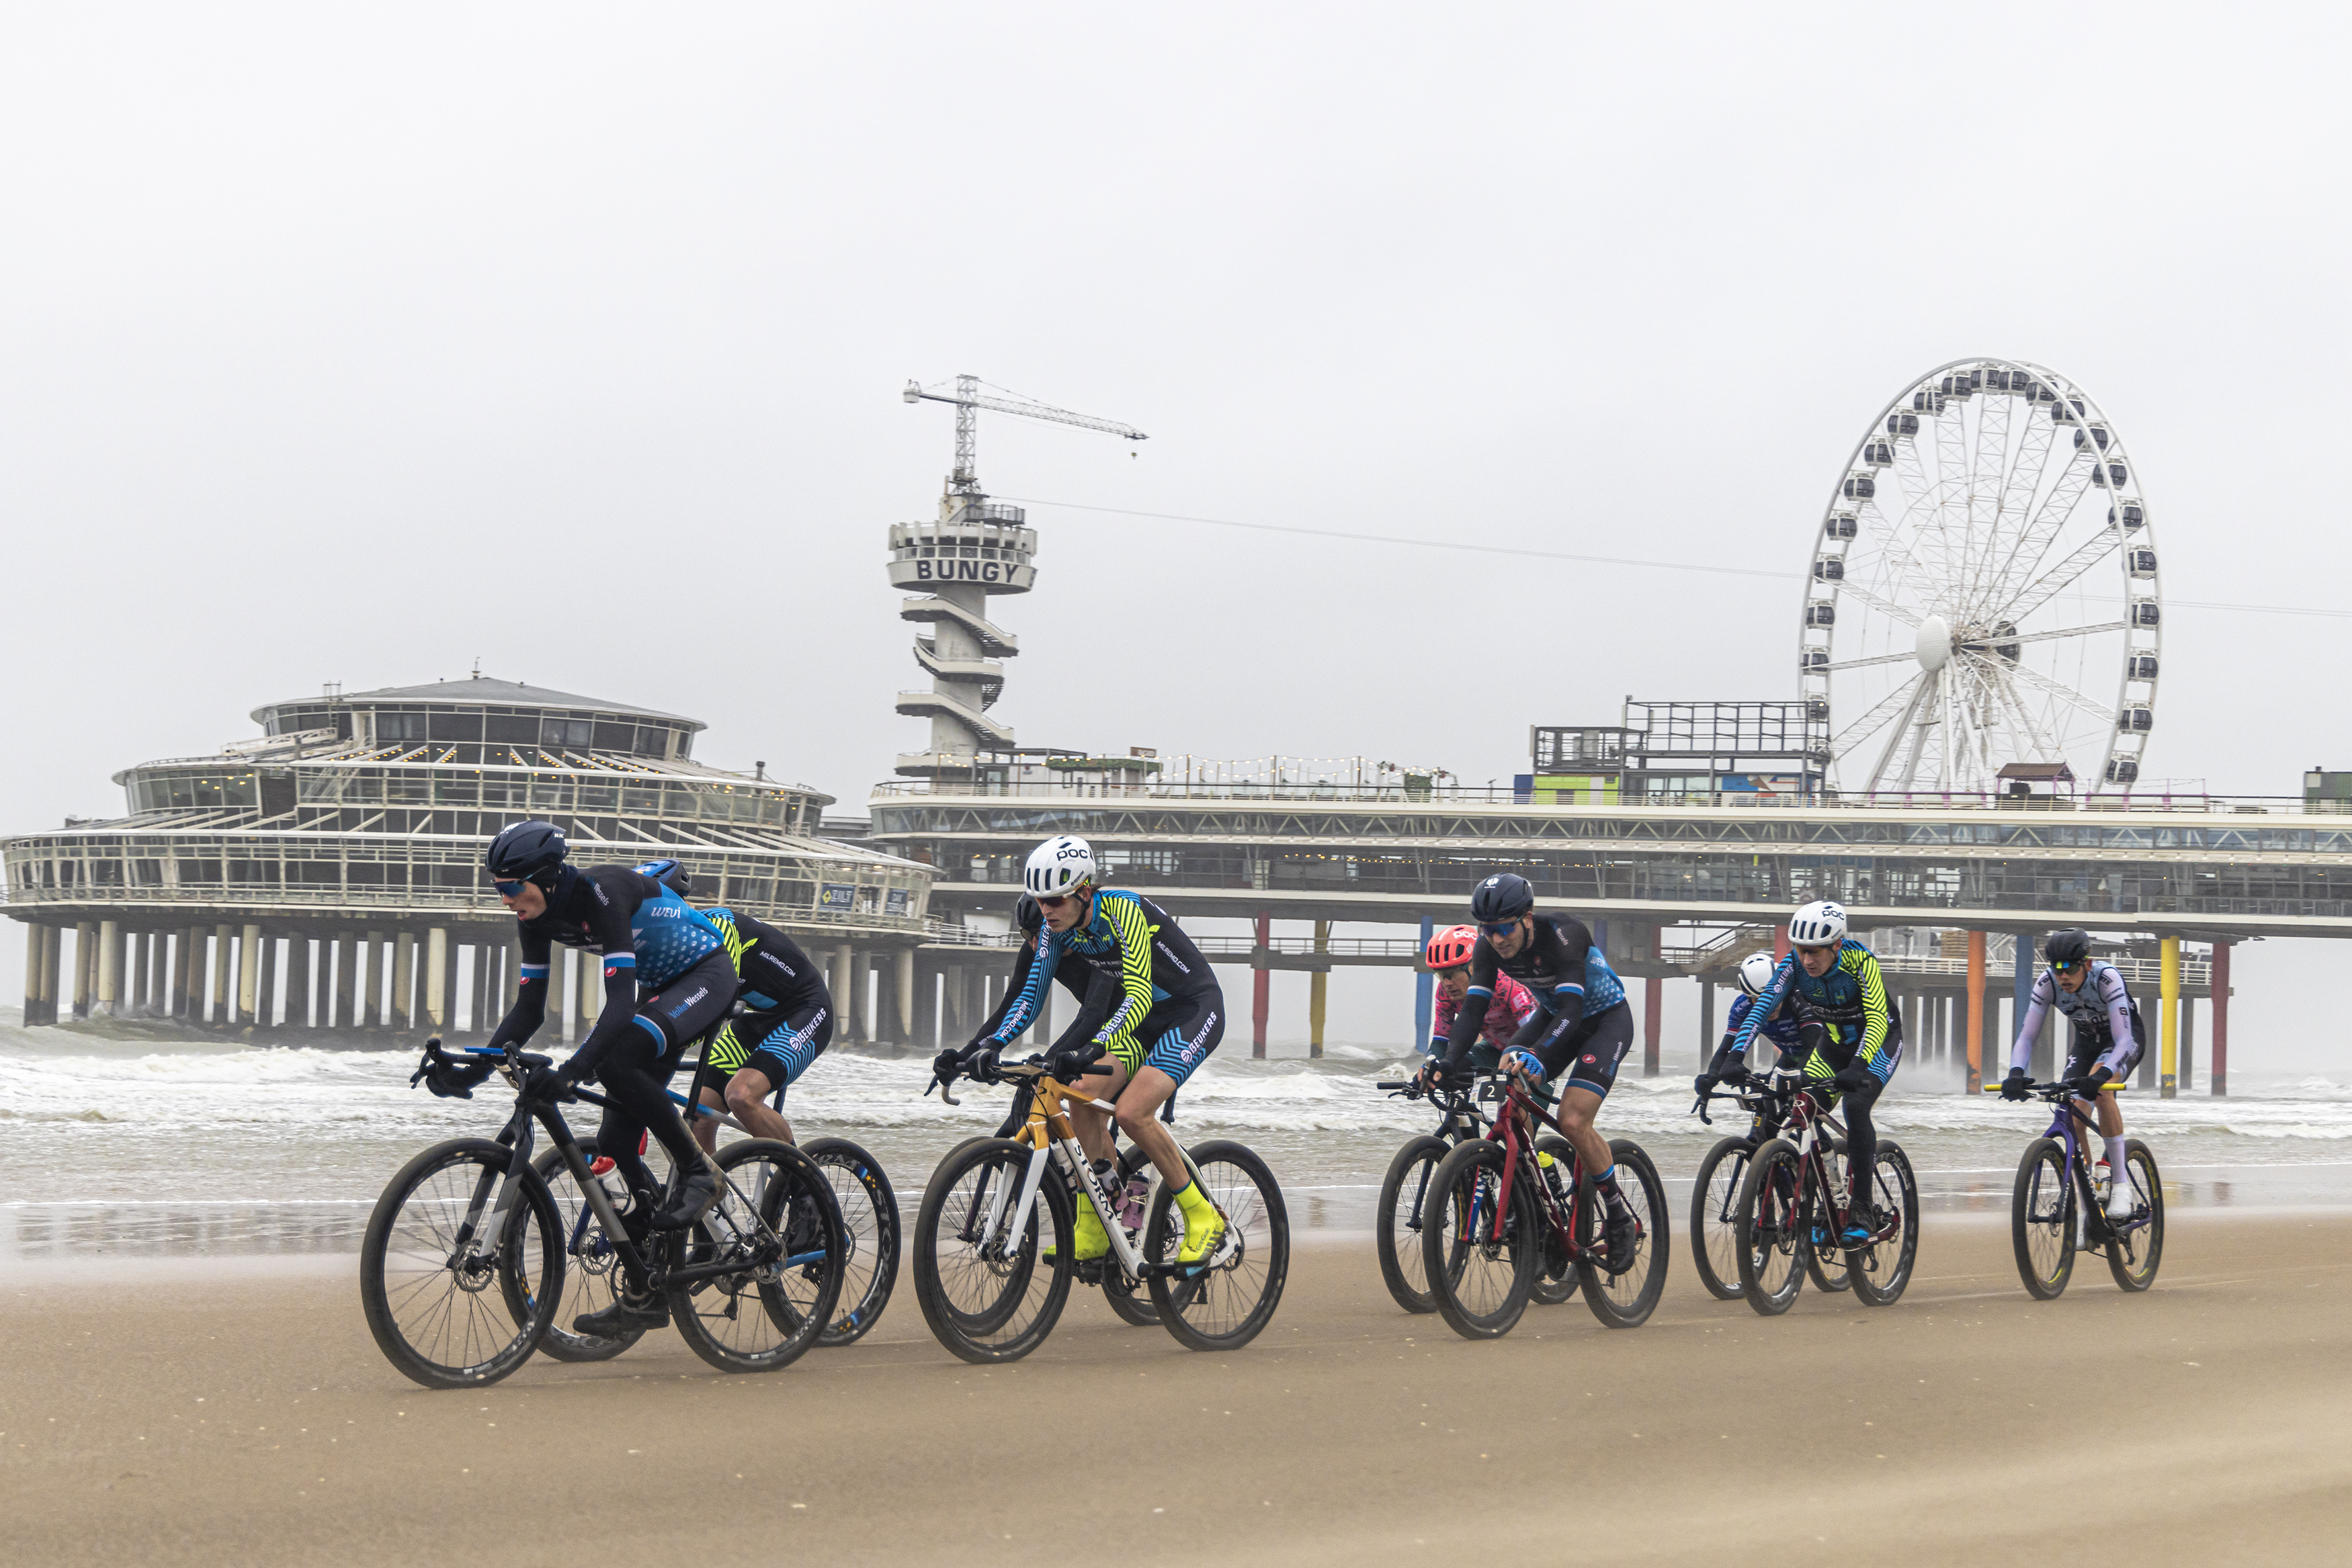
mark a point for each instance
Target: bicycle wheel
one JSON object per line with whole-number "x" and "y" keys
{"x": 869, "y": 1219}
{"x": 1826, "y": 1266}
{"x": 984, "y": 1300}
{"x": 1232, "y": 1295}
{"x": 1773, "y": 1229}
{"x": 2042, "y": 1220}
{"x": 2133, "y": 1255}
{"x": 592, "y": 1265}
{"x": 1396, "y": 1223}
{"x": 436, "y": 1290}
{"x": 1127, "y": 1297}
{"x": 1480, "y": 1268}
{"x": 1554, "y": 1279}
{"x": 1714, "y": 1217}
{"x": 1623, "y": 1291}
{"x": 1882, "y": 1270}
{"x": 776, "y": 1223}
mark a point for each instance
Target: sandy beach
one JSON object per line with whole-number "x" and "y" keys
{"x": 180, "y": 1415}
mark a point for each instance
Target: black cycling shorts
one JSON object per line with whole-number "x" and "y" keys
{"x": 2082, "y": 1054}
{"x": 783, "y": 1043}
{"x": 688, "y": 1007}
{"x": 1588, "y": 1057}
{"x": 1176, "y": 1036}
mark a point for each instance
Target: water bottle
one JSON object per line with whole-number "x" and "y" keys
{"x": 616, "y": 1185}
{"x": 2100, "y": 1177}
{"x": 1132, "y": 1198}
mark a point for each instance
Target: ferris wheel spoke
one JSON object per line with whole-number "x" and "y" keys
{"x": 2048, "y": 749}
{"x": 1904, "y": 698}
{"x": 1917, "y": 687}
{"x": 2054, "y": 582}
{"x": 2008, "y": 638}
{"x": 1876, "y": 659}
{"x": 2066, "y": 694}
{"x": 2048, "y": 519}
{"x": 2024, "y": 484}
{"x": 1984, "y": 489}
{"x": 1884, "y": 606}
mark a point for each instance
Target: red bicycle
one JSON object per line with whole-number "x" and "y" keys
{"x": 1791, "y": 1210}
{"x": 1497, "y": 1216}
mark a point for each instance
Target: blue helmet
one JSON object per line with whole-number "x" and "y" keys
{"x": 526, "y": 851}
{"x": 670, "y": 874}
{"x": 1502, "y": 896}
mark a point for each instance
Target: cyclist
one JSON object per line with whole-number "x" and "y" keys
{"x": 788, "y": 1022}
{"x": 1509, "y": 1010}
{"x": 1097, "y": 996}
{"x": 654, "y": 946}
{"x": 1582, "y": 1027}
{"x": 1792, "y": 1028}
{"x": 1170, "y": 1015}
{"x": 1860, "y": 1043}
{"x": 2105, "y": 1046}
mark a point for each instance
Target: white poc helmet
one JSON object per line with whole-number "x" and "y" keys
{"x": 1817, "y": 924}
{"x": 1756, "y": 973}
{"x": 1058, "y": 867}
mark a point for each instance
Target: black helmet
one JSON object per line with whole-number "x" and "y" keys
{"x": 2063, "y": 947}
{"x": 1026, "y": 915}
{"x": 670, "y": 874}
{"x": 531, "y": 851}
{"x": 1501, "y": 897}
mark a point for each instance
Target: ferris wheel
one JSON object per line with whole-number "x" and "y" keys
{"x": 1983, "y": 593}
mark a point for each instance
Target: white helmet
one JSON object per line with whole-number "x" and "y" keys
{"x": 1059, "y": 866}
{"x": 1817, "y": 924}
{"x": 1756, "y": 973}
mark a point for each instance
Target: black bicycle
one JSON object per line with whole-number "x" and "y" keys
{"x": 464, "y": 1263}
{"x": 1398, "y": 1222}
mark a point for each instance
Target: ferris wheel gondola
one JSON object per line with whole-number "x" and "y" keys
{"x": 1983, "y": 592}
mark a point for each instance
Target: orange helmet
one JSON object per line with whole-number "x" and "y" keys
{"x": 1451, "y": 948}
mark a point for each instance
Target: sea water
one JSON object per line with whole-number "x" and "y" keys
{"x": 142, "y": 1141}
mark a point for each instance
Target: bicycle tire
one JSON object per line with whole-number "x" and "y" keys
{"x": 1403, "y": 1268}
{"x": 1625, "y": 1299}
{"x": 1466, "y": 1189}
{"x": 1826, "y": 1268}
{"x": 1130, "y": 1299}
{"x": 2148, "y": 1254}
{"x": 1229, "y": 1304}
{"x": 795, "y": 1300}
{"x": 1715, "y": 1218}
{"x": 869, "y": 1217}
{"x": 978, "y": 1336}
{"x": 1774, "y": 1224}
{"x": 1881, "y": 1272}
{"x": 590, "y": 1265}
{"x": 407, "y": 1244}
{"x": 1556, "y": 1274}
{"x": 2042, "y": 1220}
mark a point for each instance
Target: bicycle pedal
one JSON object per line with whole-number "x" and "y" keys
{"x": 1088, "y": 1271}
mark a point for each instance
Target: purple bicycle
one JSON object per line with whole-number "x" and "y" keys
{"x": 2057, "y": 1211}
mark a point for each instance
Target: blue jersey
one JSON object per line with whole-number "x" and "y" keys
{"x": 1780, "y": 1029}
{"x": 1850, "y": 1002}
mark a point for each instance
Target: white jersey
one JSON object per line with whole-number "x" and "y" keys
{"x": 2101, "y": 1012}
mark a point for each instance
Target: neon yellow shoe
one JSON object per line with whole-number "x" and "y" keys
{"x": 1205, "y": 1228}
{"x": 1094, "y": 1241}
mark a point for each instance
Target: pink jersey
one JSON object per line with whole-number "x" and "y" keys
{"x": 1507, "y": 1014}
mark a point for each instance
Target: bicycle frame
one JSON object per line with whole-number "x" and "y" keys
{"x": 1046, "y": 1128}
{"x": 1512, "y": 1128}
{"x": 2066, "y": 1117}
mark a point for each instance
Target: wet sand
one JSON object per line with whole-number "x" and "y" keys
{"x": 211, "y": 1416}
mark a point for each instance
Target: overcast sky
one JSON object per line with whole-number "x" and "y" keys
{"x": 350, "y": 343}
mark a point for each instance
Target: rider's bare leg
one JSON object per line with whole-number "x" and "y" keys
{"x": 747, "y": 1097}
{"x": 1093, "y": 1126}
{"x": 1576, "y": 1111}
{"x": 1139, "y": 1118}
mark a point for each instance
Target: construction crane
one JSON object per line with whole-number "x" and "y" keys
{"x": 968, "y": 401}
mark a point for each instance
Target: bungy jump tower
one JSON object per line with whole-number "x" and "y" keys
{"x": 972, "y": 550}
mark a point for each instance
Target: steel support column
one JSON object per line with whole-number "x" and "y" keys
{"x": 298, "y": 983}
{"x": 1424, "y": 1000}
{"x": 1976, "y": 1024}
{"x": 224, "y": 999}
{"x": 1317, "y": 992}
{"x": 1654, "y": 1022}
{"x": 248, "y": 975}
{"x": 404, "y": 980}
{"x": 2221, "y": 1075}
{"x": 2168, "y": 982}
{"x": 109, "y": 967}
{"x": 33, "y": 974}
{"x": 1261, "y": 987}
{"x": 265, "y": 1010}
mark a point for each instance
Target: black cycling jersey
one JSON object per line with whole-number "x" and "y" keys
{"x": 1561, "y": 966}
{"x": 647, "y": 934}
{"x": 777, "y": 974}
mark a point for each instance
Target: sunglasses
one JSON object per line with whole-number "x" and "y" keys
{"x": 1816, "y": 951}
{"x": 1505, "y": 929}
{"x": 2070, "y": 964}
{"x": 510, "y": 889}
{"x": 1052, "y": 900}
